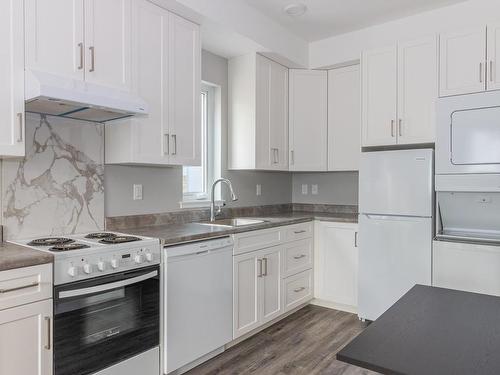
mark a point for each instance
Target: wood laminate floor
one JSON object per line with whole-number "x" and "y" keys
{"x": 304, "y": 343}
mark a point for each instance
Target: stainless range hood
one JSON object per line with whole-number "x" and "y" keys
{"x": 55, "y": 95}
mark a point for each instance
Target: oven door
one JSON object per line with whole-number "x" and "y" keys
{"x": 468, "y": 134}
{"x": 106, "y": 320}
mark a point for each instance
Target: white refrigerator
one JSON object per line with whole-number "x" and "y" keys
{"x": 396, "y": 197}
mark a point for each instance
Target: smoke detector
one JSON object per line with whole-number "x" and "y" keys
{"x": 295, "y": 10}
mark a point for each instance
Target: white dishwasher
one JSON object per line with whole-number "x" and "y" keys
{"x": 199, "y": 300}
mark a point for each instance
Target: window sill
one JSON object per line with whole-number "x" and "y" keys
{"x": 198, "y": 203}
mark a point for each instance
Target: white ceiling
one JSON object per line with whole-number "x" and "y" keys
{"x": 326, "y": 18}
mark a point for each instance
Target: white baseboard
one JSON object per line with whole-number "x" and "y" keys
{"x": 334, "y": 305}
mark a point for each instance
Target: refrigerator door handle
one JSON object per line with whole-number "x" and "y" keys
{"x": 394, "y": 217}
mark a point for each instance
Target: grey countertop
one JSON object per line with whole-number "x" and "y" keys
{"x": 178, "y": 233}
{"x": 16, "y": 256}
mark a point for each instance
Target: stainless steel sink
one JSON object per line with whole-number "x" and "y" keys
{"x": 236, "y": 222}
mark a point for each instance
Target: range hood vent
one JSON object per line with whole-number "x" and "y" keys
{"x": 54, "y": 95}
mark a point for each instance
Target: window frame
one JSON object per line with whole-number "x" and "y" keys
{"x": 210, "y": 148}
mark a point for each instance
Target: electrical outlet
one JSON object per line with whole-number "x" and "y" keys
{"x": 314, "y": 189}
{"x": 258, "y": 189}
{"x": 304, "y": 189}
{"x": 137, "y": 192}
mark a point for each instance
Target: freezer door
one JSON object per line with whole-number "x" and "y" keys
{"x": 395, "y": 253}
{"x": 397, "y": 182}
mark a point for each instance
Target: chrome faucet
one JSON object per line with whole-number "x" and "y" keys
{"x": 213, "y": 213}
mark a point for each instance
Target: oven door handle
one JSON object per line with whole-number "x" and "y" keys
{"x": 105, "y": 287}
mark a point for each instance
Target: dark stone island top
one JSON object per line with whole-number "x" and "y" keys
{"x": 432, "y": 331}
{"x": 16, "y": 256}
{"x": 186, "y": 232}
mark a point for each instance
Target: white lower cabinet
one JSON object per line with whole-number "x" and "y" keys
{"x": 257, "y": 289}
{"x": 26, "y": 321}
{"x": 336, "y": 265}
{"x": 271, "y": 277}
{"x": 26, "y": 340}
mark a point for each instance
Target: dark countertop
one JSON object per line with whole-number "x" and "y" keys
{"x": 178, "y": 233}
{"x": 16, "y": 256}
{"x": 431, "y": 331}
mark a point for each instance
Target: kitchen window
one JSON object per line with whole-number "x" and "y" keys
{"x": 197, "y": 181}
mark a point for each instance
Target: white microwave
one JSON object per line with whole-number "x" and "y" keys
{"x": 468, "y": 134}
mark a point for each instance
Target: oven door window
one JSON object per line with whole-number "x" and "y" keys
{"x": 96, "y": 329}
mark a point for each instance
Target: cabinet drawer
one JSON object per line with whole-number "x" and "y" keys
{"x": 298, "y": 256}
{"x": 25, "y": 285}
{"x": 256, "y": 240}
{"x": 298, "y": 289}
{"x": 298, "y": 231}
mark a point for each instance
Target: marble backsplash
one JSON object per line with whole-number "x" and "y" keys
{"x": 58, "y": 188}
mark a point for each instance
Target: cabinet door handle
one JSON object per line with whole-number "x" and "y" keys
{"x": 49, "y": 331}
{"x": 265, "y": 267}
{"x": 92, "y": 59}
{"x": 259, "y": 266}
{"x": 299, "y": 256}
{"x": 292, "y": 157}
{"x": 299, "y": 289}
{"x": 392, "y": 128}
{"x": 21, "y": 126}
{"x": 400, "y": 127}
{"x": 174, "y": 139}
{"x": 277, "y": 156}
{"x": 80, "y": 45}
{"x": 355, "y": 239}
{"x": 9, "y": 290}
{"x": 491, "y": 70}
{"x": 481, "y": 72}
{"x": 166, "y": 144}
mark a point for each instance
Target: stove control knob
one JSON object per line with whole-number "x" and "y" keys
{"x": 87, "y": 268}
{"x": 114, "y": 263}
{"x": 149, "y": 257}
{"x": 101, "y": 266}
{"x": 72, "y": 271}
{"x": 139, "y": 259}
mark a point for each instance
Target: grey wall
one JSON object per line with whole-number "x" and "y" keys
{"x": 333, "y": 188}
{"x": 162, "y": 187}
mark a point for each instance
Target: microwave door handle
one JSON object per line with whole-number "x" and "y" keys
{"x": 105, "y": 287}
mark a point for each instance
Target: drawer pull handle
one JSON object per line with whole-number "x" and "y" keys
{"x": 299, "y": 289}
{"x": 299, "y": 231}
{"x": 299, "y": 256}
{"x": 47, "y": 319}
{"x": 32, "y": 285}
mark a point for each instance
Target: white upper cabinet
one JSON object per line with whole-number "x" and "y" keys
{"x": 82, "y": 39}
{"x": 379, "y": 90}
{"x": 308, "y": 108}
{"x": 166, "y": 74}
{"x": 493, "y": 58}
{"x": 184, "y": 81}
{"x": 344, "y": 119}
{"x": 463, "y": 62}
{"x": 12, "y": 78}
{"x": 400, "y": 88}
{"x": 417, "y": 90}
{"x": 108, "y": 42}
{"x": 258, "y": 114}
{"x": 55, "y": 37}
